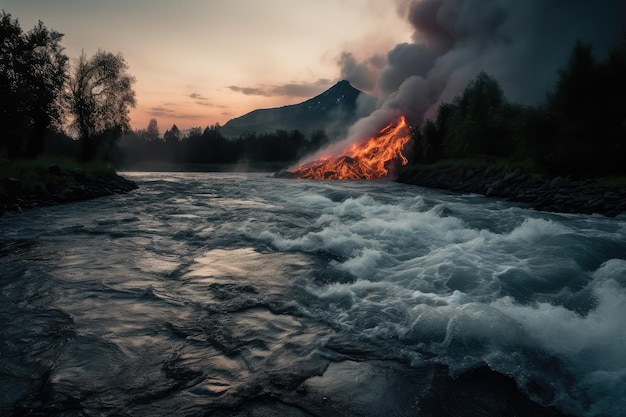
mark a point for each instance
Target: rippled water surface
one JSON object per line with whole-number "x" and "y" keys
{"x": 242, "y": 294}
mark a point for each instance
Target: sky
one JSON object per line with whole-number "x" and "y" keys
{"x": 201, "y": 62}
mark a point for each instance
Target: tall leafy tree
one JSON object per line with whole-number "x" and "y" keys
{"x": 152, "y": 132}
{"x": 615, "y": 82}
{"x": 33, "y": 71}
{"x": 100, "y": 99}
{"x": 46, "y": 77}
{"x": 172, "y": 135}
{"x": 474, "y": 123}
{"x": 574, "y": 106}
{"x": 576, "y": 86}
{"x": 12, "y": 111}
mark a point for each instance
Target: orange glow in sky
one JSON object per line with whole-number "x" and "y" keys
{"x": 201, "y": 62}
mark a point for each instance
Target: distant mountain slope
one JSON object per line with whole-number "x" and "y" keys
{"x": 334, "y": 111}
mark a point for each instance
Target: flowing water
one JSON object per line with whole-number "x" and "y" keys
{"x": 242, "y": 294}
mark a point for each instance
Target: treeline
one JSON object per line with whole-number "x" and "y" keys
{"x": 46, "y": 103}
{"x": 81, "y": 110}
{"x": 210, "y": 146}
{"x": 579, "y": 130}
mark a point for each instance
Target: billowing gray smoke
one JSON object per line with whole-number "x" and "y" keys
{"x": 521, "y": 43}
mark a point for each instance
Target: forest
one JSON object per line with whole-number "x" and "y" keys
{"x": 209, "y": 146}
{"x": 580, "y": 129}
{"x": 80, "y": 111}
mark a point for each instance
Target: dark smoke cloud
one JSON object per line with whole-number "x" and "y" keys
{"x": 521, "y": 43}
{"x": 404, "y": 61}
{"x": 362, "y": 75}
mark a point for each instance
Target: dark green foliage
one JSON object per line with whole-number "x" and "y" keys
{"x": 588, "y": 111}
{"x": 426, "y": 142}
{"x": 39, "y": 96}
{"x": 172, "y": 135}
{"x": 152, "y": 131}
{"x": 210, "y": 146}
{"x": 476, "y": 123}
{"x": 32, "y": 76}
{"x": 580, "y": 130}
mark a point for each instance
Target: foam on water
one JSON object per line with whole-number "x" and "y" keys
{"x": 594, "y": 344}
{"x": 535, "y": 296}
{"x": 202, "y": 289}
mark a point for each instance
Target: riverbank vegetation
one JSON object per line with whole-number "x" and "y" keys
{"x": 52, "y": 108}
{"x": 209, "y": 147}
{"x": 44, "y": 181}
{"x": 44, "y": 96}
{"x": 78, "y": 110}
{"x": 580, "y": 129}
{"x": 564, "y": 155}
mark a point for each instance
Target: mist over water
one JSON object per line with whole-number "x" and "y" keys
{"x": 241, "y": 294}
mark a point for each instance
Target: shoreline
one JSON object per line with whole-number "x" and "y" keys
{"x": 63, "y": 187}
{"x": 543, "y": 193}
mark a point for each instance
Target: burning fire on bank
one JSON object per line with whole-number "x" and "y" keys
{"x": 367, "y": 159}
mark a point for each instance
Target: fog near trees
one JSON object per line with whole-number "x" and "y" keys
{"x": 210, "y": 146}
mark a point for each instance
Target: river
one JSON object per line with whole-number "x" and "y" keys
{"x": 233, "y": 294}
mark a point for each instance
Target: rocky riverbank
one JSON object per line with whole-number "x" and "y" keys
{"x": 60, "y": 186}
{"x": 545, "y": 193}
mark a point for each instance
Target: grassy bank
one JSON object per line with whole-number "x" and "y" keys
{"x": 44, "y": 181}
{"x": 34, "y": 174}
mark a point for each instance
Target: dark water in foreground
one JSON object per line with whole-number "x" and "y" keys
{"x": 239, "y": 294}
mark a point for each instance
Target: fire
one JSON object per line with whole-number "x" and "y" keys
{"x": 367, "y": 159}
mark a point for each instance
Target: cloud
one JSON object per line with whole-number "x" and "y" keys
{"x": 163, "y": 111}
{"x": 189, "y": 116}
{"x": 197, "y": 96}
{"x": 250, "y": 91}
{"x": 285, "y": 90}
{"x": 160, "y": 111}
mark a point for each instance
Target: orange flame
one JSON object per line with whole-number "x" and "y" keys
{"x": 367, "y": 159}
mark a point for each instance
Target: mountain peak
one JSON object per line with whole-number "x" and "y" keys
{"x": 334, "y": 111}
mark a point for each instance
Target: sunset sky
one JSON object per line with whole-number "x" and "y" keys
{"x": 200, "y": 62}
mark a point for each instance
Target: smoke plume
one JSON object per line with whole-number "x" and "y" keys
{"x": 522, "y": 44}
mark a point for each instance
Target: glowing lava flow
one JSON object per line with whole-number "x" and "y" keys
{"x": 367, "y": 159}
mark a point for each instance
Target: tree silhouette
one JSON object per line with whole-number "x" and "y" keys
{"x": 475, "y": 119}
{"x": 100, "y": 99}
{"x": 574, "y": 106}
{"x": 32, "y": 76}
{"x": 172, "y": 135}
{"x": 152, "y": 132}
